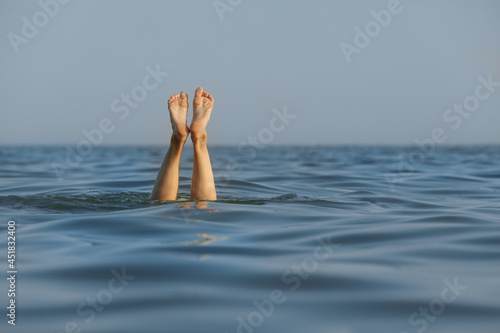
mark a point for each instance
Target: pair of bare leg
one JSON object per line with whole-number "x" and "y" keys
{"x": 202, "y": 183}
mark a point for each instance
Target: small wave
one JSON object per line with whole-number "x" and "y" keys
{"x": 88, "y": 202}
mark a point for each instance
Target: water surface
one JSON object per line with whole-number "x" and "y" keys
{"x": 301, "y": 239}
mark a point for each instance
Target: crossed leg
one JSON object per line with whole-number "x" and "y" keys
{"x": 202, "y": 183}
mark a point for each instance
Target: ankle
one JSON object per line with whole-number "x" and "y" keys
{"x": 199, "y": 137}
{"x": 178, "y": 139}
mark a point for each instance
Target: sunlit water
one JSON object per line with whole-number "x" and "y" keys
{"x": 302, "y": 239}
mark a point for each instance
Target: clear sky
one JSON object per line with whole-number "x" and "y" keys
{"x": 347, "y": 71}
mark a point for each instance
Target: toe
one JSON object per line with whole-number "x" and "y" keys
{"x": 199, "y": 91}
{"x": 183, "y": 101}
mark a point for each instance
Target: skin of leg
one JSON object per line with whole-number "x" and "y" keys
{"x": 167, "y": 181}
{"x": 202, "y": 183}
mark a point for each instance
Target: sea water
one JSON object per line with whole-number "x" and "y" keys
{"x": 301, "y": 239}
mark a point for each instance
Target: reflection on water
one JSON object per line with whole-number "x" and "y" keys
{"x": 302, "y": 239}
{"x": 205, "y": 239}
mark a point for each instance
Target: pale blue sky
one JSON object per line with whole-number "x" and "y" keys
{"x": 263, "y": 55}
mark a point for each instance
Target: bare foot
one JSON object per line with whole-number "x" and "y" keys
{"x": 178, "y": 107}
{"x": 203, "y": 104}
